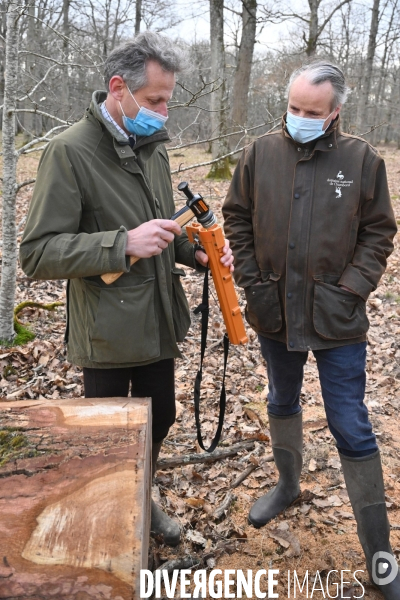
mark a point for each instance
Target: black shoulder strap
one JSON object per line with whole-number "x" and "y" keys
{"x": 204, "y": 309}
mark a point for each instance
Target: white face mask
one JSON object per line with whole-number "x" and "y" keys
{"x": 305, "y": 130}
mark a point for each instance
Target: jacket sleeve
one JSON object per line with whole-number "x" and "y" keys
{"x": 184, "y": 251}
{"x": 53, "y": 247}
{"x": 377, "y": 228}
{"x": 238, "y": 220}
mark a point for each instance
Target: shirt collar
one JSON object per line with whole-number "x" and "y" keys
{"x": 109, "y": 118}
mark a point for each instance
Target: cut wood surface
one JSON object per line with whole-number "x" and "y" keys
{"x": 74, "y": 512}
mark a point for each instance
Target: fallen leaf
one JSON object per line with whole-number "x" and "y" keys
{"x": 313, "y": 465}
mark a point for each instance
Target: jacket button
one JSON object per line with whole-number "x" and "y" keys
{"x": 291, "y": 245}
{"x": 289, "y": 295}
{"x": 330, "y": 145}
{"x": 122, "y": 151}
{"x": 297, "y": 196}
{"x": 298, "y": 149}
{"x": 291, "y": 344}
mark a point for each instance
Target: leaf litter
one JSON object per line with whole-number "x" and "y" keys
{"x": 318, "y": 531}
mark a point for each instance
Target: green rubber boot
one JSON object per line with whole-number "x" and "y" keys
{"x": 287, "y": 447}
{"x": 161, "y": 523}
{"x": 364, "y": 483}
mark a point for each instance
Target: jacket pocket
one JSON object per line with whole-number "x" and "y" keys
{"x": 263, "y": 311}
{"x": 125, "y": 329}
{"x": 180, "y": 306}
{"x": 338, "y": 314}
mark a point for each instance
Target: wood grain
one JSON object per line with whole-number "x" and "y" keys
{"x": 74, "y": 520}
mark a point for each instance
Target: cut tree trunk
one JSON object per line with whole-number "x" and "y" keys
{"x": 74, "y": 498}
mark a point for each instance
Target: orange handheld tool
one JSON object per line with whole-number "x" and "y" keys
{"x": 211, "y": 238}
{"x": 195, "y": 207}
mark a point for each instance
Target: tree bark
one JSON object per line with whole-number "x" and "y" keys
{"x": 241, "y": 83}
{"x": 369, "y": 63}
{"x": 138, "y": 16}
{"x": 65, "y": 79}
{"x": 311, "y": 47}
{"x": 219, "y": 170}
{"x": 29, "y": 119}
{"x": 9, "y": 262}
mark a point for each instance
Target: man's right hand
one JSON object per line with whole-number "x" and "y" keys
{"x": 151, "y": 238}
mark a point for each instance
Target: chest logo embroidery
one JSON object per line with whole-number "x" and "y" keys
{"x": 340, "y": 182}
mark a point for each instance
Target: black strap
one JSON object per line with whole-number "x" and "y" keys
{"x": 204, "y": 309}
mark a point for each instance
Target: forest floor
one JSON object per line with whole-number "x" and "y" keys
{"x": 318, "y": 533}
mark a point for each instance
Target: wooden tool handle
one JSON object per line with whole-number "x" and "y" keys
{"x": 111, "y": 277}
{"x": 180, "y": 217}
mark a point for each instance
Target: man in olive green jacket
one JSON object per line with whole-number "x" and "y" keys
{"x": 103, "y": 194}
{"x": 310, "y": 222}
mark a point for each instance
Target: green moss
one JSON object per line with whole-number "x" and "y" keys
{"x": 23, "y": 332}
{"x": 220, "y": 170}
{"x": 9, "y": 370}
{"x": 13, "y": 444}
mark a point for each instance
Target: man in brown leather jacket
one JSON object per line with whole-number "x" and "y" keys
{"x": 310, "y": 222}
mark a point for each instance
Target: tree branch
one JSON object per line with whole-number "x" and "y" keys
{"x": 23, "y": 184}
{"x": 244, "y": 130}
{"x": 61, "y": 64}
{"x": 215, "y": 160}
{"x": 35, "y": 141}
{"x": 206, "y": 457}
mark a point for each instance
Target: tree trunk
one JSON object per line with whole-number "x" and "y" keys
{"x": 220, "y": 169}
{"x": 362, "y": 123}
{"x": 311, "y": 47}
{"x": 75, "y": 520}
{"x": 9, "y": 262}
{"x": 65, "y": 79}
{"x": 29, "y": 119}
{"x": 138, "y": 16}
{"x": 241, "y": 81}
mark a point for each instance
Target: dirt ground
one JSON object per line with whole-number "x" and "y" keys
{"x": 318, "y": 533}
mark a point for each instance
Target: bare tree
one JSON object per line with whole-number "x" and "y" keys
{"x": 369, "y": 63}
{"x": 241, "y": 80}
{"x": 220, "y": 169}
{"x": 9, "y": 233}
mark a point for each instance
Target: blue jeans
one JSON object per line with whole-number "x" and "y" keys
{"x": 342, "y": 377}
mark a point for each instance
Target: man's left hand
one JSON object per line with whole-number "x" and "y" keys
{"x": 226, "y": 259}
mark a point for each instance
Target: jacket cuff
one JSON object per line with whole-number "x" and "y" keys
{"x": 355, "y": 281}
{"x": 114, "y": 244}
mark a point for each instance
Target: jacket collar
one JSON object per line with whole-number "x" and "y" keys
{"x": 327, "y": 141}
{"x": 97, "y": 98}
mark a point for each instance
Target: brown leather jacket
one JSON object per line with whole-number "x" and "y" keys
{"x": 303, "y": 220}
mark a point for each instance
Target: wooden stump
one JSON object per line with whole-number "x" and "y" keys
{"x": 74, "y": 498}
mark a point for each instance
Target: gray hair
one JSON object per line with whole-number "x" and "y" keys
{"x": 129, "y": 61}
{"x": 318, "y": 72}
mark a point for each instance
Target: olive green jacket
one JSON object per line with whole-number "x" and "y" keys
{"x": 303, "y": 220}
{"x": 91, "y": 188}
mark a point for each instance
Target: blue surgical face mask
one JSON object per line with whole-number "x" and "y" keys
{"x": 146, "y": 121}
{"x": 305, "y": 130}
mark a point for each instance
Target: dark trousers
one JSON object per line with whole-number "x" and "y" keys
{"x": 342, "y": 377}
{"x": 155, "y": 381}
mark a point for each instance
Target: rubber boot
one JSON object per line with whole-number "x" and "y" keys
{"x": 364, "y": 483}
{"x": 287, "y": 447}
{"x": 161, "y": 523}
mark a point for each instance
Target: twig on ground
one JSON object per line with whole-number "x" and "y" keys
{"x": 179, "y": 563}
{"x": 243, "y": 476}
{"x": 224, "y": 506}
{"x": 192, "y": 459}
